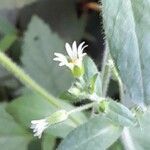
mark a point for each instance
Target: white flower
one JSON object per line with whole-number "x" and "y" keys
{"x": 75, "y": 55}
{"x": 39, "y": 126}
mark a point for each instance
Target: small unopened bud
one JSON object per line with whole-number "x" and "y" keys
{"x": 57, "y": 117}
{"x": 74, "y": 91}
{"x": 103, "y": 106}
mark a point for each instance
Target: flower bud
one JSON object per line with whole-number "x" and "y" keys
{"x": 57, "y": 117}
{"x": 103, "y": 106}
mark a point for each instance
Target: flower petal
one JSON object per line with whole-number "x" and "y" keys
{"x": 39, "y": 126}
{"x": 62, "y": 64}
{"x": 60, "y": 57}
{"x": 69, "y": 50}
{"x": 80, "y": 52}
{"x": 80, "y": 46}
{"x": 74, "y": 50}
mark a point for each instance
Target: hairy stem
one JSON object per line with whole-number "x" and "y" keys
{"x": 26, "y": 79}
{"x": 106, "y": 72}
{"x": 81, "y": 108}
{"x": 127, "y": 140}
{"x": 115, "y": 72}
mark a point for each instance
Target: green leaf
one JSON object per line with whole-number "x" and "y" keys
{"x": 120, "y": 114}
{"x": 141, "y": 10}
{"x": 7, "y": 41}
{"x": 119, "y": 24}
{"x": 29, "y": 107}
{"x": 138, "y": 138}
{"x": 12, "y": 136}
{"x": 34, "y": 107}
{"x": 90, "y": 71}
{"x": 92, "y": 82}
{"x": 70, "y": 97}
{"x": 48, "y": 142}
{"x": 97, "y": 134}
{"x": 39, "y": 46}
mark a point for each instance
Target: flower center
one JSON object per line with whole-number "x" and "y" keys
{"x": 73, "y": 61}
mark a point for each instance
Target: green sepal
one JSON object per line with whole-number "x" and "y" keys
{"x": 92, "y": 83}
{"x": 78, "y": 71}
{"x": 57, "y": 117}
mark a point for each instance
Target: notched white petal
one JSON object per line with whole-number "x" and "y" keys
{"x": 69, "y": 50}
{"x": 80, "y": 46}
{"x": 39, "y": 126}
{"x": 80, "y": 51}
{"x": 61, "y": 58}
{"x": 74, "y": 50}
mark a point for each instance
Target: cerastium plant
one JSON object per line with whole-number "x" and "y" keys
{"x": 106, "y": 121}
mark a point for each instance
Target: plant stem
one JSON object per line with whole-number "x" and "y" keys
{"x": 106, "y": 72}
{"x": 127, "y": 140}
{"x": 29, "y": 82}
{"x": 25, "y": 79}
{"x": 115, "y": 72}
{"x": 81, "y": 108}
